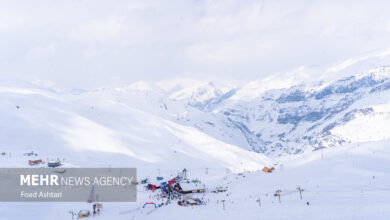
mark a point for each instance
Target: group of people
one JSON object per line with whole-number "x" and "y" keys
{"x": 171, "y": 191}
{"x": 95, "y": 211}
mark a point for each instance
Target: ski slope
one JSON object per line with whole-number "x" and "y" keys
{"x": 350, "y": 182}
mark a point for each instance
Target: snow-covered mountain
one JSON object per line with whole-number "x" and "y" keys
{"x": 274, "y": 121}
{"x": 283, "y": 119}
{"x": 312, "y": 116}
{"x": 209, "y": 128}
{"x": 302, "y": 110}
{"x": 106, "y": 127}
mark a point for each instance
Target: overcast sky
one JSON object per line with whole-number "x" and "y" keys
{"x": 93, "y": 42}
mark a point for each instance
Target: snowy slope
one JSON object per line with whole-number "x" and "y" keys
{"x": 302, "y": 117}
{"x": 350, "y": 182}
{"x": 308, "y": 114}
{"x": 100, "y": 130}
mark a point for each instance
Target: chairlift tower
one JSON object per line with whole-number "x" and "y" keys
{"x": 184, "y": 174}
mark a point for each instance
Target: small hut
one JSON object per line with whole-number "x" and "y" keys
{"x": 268, "y": 170}
{"x": 34, "y": 162}
{"x": 84, "y": 213}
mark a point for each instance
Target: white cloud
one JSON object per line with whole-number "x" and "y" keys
{"x": 142, "y": 40}
{"x": 104, "y": 31}
{"x": 10, "y": 22}
{"x": 43, "y": 51}
{"x": 228, "y": 50}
